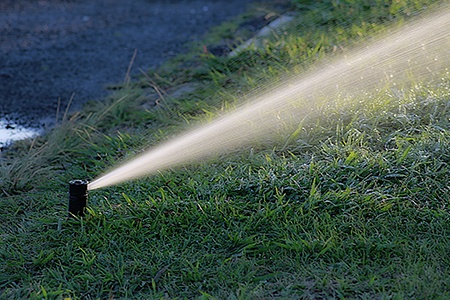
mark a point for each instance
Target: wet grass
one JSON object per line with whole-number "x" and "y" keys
{"x": 354, "y": 204}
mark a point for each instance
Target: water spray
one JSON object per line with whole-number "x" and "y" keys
{"x": 77, "y": 197}
{"x": 419, "y": 50}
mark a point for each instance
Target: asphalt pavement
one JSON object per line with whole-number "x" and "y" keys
{"x": 53, "y": 49}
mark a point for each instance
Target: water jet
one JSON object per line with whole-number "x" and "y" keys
{"x": 77, "y": 197}
{"x": 418, "y": 51}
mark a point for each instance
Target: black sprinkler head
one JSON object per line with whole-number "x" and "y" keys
{"x": 77, "y": 197}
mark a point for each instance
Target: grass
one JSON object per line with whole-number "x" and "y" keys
{"x": 354, "y": 204}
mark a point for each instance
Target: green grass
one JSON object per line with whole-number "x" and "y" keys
{"x": 354, "y": 204}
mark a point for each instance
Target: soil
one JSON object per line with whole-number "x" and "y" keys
{"x": 53, "y": 49}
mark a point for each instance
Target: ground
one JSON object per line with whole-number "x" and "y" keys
{"x": 51, "y": 49}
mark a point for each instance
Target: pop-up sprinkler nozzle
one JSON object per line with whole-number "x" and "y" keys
{"x": 77, "y": 197}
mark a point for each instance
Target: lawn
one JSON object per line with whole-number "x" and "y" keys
{"x": 352, "y": 203}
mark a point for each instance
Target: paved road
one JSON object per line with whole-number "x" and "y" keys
{"x": 53, "y": 48}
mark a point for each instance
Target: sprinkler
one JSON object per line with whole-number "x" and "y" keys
{"x": 77, "y": 197}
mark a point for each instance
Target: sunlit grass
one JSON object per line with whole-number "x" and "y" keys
{"x": 352, "y": 203}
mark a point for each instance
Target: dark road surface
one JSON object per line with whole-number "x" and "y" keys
{"x": 51, "y": 49}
